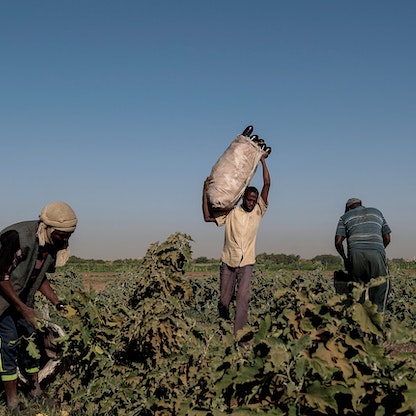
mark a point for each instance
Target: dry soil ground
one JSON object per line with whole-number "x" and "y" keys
{"x": 98, "y": 280}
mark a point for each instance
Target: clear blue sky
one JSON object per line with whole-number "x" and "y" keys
{"x": 120, "y": 108}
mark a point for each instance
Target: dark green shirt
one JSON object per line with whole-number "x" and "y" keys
{"x": 19, "y": 255}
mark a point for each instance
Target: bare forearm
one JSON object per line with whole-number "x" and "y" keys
{"x": 266, "y": 173}
{"x": 205, "y": 204}
{"x": 341, "y": 252}
{"x": 47, "y": 290}
{"x": 266, "y": 181}
{"x": 28, "y": 313}
{"x": 340, "y": 246}
{"x": 10, "y": 294}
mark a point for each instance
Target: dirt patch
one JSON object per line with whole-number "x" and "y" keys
{"x": 410, "y": 347}
{"x": 98, "y": 280}
{"x": 193, "y": 275}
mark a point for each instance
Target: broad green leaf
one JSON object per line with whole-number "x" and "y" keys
{"x": 33, "y": 349}
{"x": 321, "y": 397}
{"x": 322, "y": 368}
{"x": 366, "y": 317}
{"x": 409, "y": 395}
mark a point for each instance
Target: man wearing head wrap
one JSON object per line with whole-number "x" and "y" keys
{"x": 29, "y": 250}
{"x": 367, "y": 234}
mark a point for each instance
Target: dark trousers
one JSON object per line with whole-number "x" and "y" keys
{"x": 235, "y": 280}
{"x": 367, "y": 265}
{"x": 377, "y": 295}
{"x": 12, "y": 326}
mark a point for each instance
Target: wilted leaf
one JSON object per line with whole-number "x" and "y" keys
{"x": 69, "y": 311}
{"x": 368, "y": 318}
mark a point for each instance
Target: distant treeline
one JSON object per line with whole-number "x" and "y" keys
{"x": 94, "y": 265}
{"x": 327, "y": 261}
{"x": 287, "y": 261}
{"x": 263, "y": 261}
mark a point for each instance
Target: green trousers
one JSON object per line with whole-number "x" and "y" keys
{"x": 367, "y": 265}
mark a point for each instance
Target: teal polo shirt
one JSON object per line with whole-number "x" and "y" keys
{"x": 364, "y": 229}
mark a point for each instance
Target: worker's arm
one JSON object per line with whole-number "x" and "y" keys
{"x": 10, "y": 256}
{"x": 386, "y": 239}
{"x": 46, "y": 289}
{"x": 339, "y": 239}
{"x": 28, "y": 313}
{"x": 266, "y": 180}
{"x": 208, "y": 217}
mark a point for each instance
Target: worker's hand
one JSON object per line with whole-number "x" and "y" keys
{"x": 264, "y": 156}
{"x": 65, "y": 309}
{"x": 60, "y": 307}
{"x": 207, "y": 182}
{"x": 347, "y": 265}
{"x": 30, "y": 316}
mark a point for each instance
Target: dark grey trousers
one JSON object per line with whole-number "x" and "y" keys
{"x": 367, "y": 265}
{"x": 235, "y": 280}
{"x": 377, "y": 295}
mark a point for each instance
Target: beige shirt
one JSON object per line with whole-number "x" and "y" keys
{"x": 240, "y": 234}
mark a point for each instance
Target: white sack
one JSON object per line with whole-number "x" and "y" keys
{"x": 51, "y": 350}
{"x": 233, "y": 172}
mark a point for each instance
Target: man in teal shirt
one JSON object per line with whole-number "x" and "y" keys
{"x": 367, "y": 234}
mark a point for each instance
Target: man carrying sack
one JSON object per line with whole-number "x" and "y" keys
{"x": 238, "y": 255}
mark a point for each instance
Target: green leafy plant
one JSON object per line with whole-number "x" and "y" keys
{"x": 151, "y": 343}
